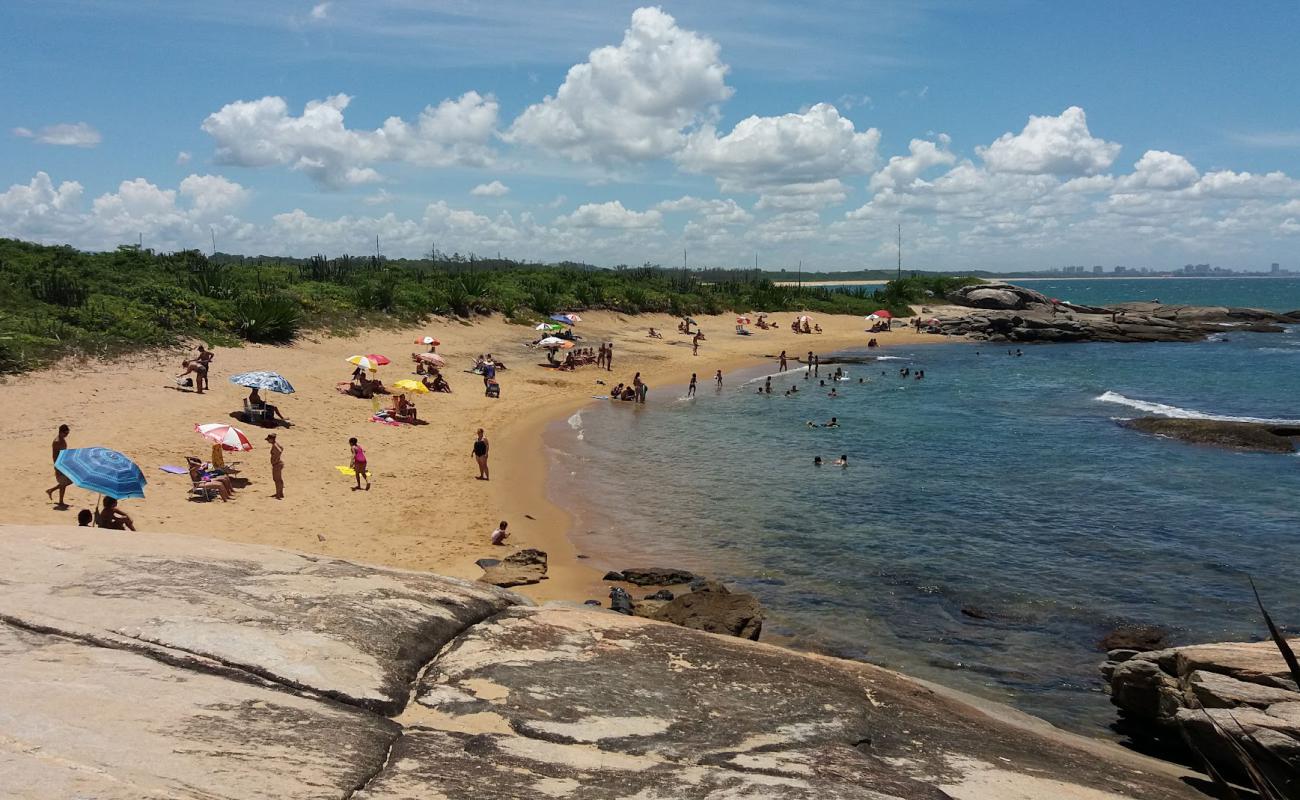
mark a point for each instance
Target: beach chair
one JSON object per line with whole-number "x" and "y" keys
{"x": 204, "y": 493}
{"x": 741, "y": 331}
{"x": 255, "y": 414}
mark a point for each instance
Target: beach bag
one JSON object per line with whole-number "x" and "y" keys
{"x": 493, "y": 389}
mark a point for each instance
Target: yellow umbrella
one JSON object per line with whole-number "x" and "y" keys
{"x": 408, "y": 385}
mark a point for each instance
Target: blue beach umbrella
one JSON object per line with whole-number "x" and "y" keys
{"x": 263, "y": 379}
{"x": 103, "y": 471}
{"x": 567, "y": 319}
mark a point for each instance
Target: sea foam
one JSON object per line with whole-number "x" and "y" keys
{"x": 1165, "y": 410}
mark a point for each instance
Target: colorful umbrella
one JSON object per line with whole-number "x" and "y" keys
{"x": 742, "y": 320}
{"x": 428, "y": 340}
{"x": 263, "y": 379}
{"x": 554, "y": 342}
{"x": 568, "y": 319}
{"x": 408, "y": 385}
{"x": 228, "y": 436}
{"x": 803, "y": 318}
{"x": 431, "y": 358}
{"x": 370, "y": 363}
{"x": 882, "y": 313}
{"x": 548, "y": 326}
{"x": 101, "y": 470}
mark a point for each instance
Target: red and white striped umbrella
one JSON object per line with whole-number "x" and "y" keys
{"x": 228, "y": 436}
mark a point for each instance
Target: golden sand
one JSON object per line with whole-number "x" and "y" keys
{"x": 425, "y": 511}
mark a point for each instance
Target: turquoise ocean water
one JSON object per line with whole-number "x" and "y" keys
{"x": 999, "y": 484}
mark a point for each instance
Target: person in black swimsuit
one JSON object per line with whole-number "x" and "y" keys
{"x": 481, "y": 455}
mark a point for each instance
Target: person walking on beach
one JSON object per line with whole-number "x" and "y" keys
{"x": 480, "y": 452}
{"x": 360, "y": 467}
{"x": 690, "y": 390}
{"x": 277, "y": 466}
{"x": 782, "y": 361}
{"x": 717, "y": 378}
{"x": 61, "y": 482}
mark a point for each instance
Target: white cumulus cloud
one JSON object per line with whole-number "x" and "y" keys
{"x": 610, "y": 215}
{"x": 64, "y": 134}
{"x": 631, "y": 102}
{"x": 1060, "y": 145}
{"x": 260, "y": 133}
{"x": 902, "y": 171}
{"x": 493, "y": 189}
{"x": 810, "y": 147}
{"x": 1160, "y": 170}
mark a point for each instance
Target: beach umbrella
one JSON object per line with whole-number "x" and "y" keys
{"x": 101, "y": 470}
{"x": 803, "y": 318}
{"x": 409, "y": 385}
{"x": 263, "y": 379}
{"x": 228, "y": 436}
{"x": 431, "y": 358}
{"x": 567, "y": 319}
{"x": 428, "y": 340}
{"x": 554, "y": 342}
{"x": 365, "y": 362}
{"x": 883, "y": 314}
{"x": 873, "y": 317}
{"x": 742, "y": 320}
{"x": 549, "y": 326}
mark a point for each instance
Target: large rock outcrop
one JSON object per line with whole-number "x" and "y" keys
{"x": 165, "y": 666}
{"x": 1008, "y": 313}
{"x": 1218, "y": 433}
{"x": 1210, "y": 692}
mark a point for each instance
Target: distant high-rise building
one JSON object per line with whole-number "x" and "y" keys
{"x": 1097, "y": 269}
{"x": 1275, "y": 268}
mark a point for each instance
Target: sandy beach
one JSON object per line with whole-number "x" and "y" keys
{"x": 425, "y": 511}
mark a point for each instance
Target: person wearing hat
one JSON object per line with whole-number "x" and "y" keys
{"x": 277, "y": 466}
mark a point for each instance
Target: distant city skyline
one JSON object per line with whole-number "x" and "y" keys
{"x": 1002, "y": 135}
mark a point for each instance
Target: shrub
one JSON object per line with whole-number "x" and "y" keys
{"x": 269, "y": 319}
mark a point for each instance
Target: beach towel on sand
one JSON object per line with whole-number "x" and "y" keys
{"x": 352, "y": 474}
{"x": 174, "y": 470}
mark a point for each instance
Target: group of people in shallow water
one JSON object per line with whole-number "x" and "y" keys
{"x": 634, "y": 392}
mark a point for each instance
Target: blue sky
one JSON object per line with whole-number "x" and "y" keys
{"x": 998, "y": 133}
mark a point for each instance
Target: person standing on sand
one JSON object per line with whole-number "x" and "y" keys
{"x": 809, "y": 361}
{"x": 782, "y": 361}
{"x": 360, "y": 467}
{"x": 642, "y": 392}
{"x": 480, "y": 452}
{"x": 600, "y": 356}
{"x": 690, "y": 390}
{"x": 695, "y": 344}
{"x": 717, "y": 378}
{"x": 817, "y": 366}
{"x": 277, "y": 466}
{"x": 609, "y": 357}
{"x": 61, "y": 482}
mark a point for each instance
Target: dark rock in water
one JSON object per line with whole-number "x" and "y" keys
{"x": 974, "y": 612}
{"x": 613, "y": 576}
{"x": 1138, "y": 638}
{"x": 520, "y": 568}
{"x": 708, "y": 585}
{"x": 1238, "y": 435}
{"x": 999, "y": 296}
{"x": 662, "y": 594}
{"x": 620, "y": 601}
{"x": 657, "y": 576}
{"x": 735, "y": 614}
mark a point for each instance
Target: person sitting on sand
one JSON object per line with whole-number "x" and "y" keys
{"x": 817, "y": 329}
{"x": 629, "y": 393}
{"x": 84, "y": 518}
{"x": 403, "y": 409}
{"x": 112, "y": 517}
{"x": 500, "y": 535}
{"x": 206, "y": 480}
{"x": 616, "y": 392}
{"x": 255, "y": 401}
{"x": 654, "y": 334}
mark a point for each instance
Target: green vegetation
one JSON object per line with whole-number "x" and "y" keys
{"x": 57, "y": 301}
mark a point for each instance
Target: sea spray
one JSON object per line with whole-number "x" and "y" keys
{"x": 1166, "y": 410}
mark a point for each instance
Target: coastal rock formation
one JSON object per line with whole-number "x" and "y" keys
{"x": 1236, "y": 435}
{"x": 654, "y": 576}
{"x": 169, "y": 666}
{"x": 1009, "y": 313}
{"x": 520, "y": 568}
{"x": 1210, "y": 692}
{"x": 710, "y": 606}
